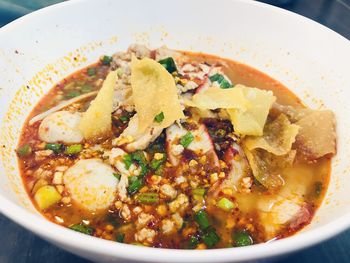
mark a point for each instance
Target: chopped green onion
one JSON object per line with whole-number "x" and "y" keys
{"x": 155, "y": 164}
{"x": 202, "y": 219}
{"x": 318, "y": 188}
{"x": 86, "y": 88}
{"x": 73, "y": 149}
{"x": 116, "y": 175}
{"x": 82, "y": 229}
{"x": 24, "y": 150}
{"x": 106, "y": 60}
{"x": 186, "y": 139}
{"x": 198, "y": 191}
{"x": 225, "y": 204}
{"x": 168, "y": 64}
{"x": 193, "y": 242}
{"x": 210, "y": 238}
{"x": 124, "y": 118}
{"x": 217, "y": 77}
{"x": 127, "y": 161}
{"x": 91, "y": 71}
{"x": 72, "y": 94}
{"x": 140, "y": 158}
{"x": 159, "y": 171}
{"x": 159, "y": 118}
{"x": 120, "y": 237}
{"x": 147, "y": 198}
{"x": 135, "y": 184}
{"x": 242, "y": 238}
{"x": 56, "y": 147}
{"x": 224, "y": 83}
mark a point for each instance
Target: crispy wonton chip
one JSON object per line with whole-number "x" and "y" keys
{"x": 154, "y": 92}
{"x": 317, "y": 135}
{"x": 247, "y": 107}
{"x": 267, "y": 167}
{"x": 96, "y": 121}
{"x": 252, "y": 120}
{"x": 278, "y": 137}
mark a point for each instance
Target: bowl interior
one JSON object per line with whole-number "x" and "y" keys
{"x": 38, "y": 50}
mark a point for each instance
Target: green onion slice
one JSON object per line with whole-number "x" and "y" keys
{"x": 82, "y": 229}
{"x": 186, "y": 140}
{"x": 73, "y": 149}
{"x": 24, "y": 150}
{"x": 146, "y": 198}
{"x": 168, "y": 64}
{"x": 225, "y": 204}
{"x": 55, "y": 147}
{"x": 242, "y": 238}
{"x": 159, "y": 117}
{"x": 201, "y": 218}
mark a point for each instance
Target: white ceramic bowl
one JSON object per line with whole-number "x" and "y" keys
{"x": 39, "y": 49}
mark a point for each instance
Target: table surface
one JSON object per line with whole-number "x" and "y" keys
{"x": 18, "y": 245}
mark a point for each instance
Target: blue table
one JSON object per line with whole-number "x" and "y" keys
{"x": 18, "y": 245}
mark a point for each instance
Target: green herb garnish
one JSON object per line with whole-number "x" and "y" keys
{"x": 120, "y": 237}
{"x": 224, "y": 83}
{"x": 193, "y": 242}
{"x": 72, "y": 94}
{"x": 55, "y": 147}
{"x": 135, "y": 184}
{"x": 73, "y": 149}
{"x": 24, "y": 150}
{"x": 210, "y": 238}
{"x": 86, "y": 88}
{"x": 201, "y": 218}
{"x": 127, "y": 161}
{"x": 124, "y": 118}
{"x": 91, "y": 71}
{"x": 168, "y": 64}
{"x": 82, "y": 229}
{"x": 117, "y": 175}
{"x": 159, "y": 118}
{"x": 242, "y": 238}
{"x": 186, "y": 139}
{"x": 198, "y": 191}
{"x": 225, "y": 204}
{"x": 147, "y": 198}
{"x": 106, "y": 60}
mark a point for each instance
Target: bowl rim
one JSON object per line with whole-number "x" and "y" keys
{"x": 91, "y": 245}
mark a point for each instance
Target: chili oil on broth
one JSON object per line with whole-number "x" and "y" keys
{"x": 306, "y": 180}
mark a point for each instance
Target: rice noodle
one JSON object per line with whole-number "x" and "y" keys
{"x": 60, "y": 106}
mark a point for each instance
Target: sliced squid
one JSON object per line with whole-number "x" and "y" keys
{"x": 201, "y": 145}
{"x": 133, "y": 140}
{"x": 61, "y": 126}
{"x": 91, "y": 184}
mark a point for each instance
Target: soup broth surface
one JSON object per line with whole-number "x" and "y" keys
{"x": 192, "y": 185}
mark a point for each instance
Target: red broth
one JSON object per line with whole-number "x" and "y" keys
{"x": 186, "y": 213}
